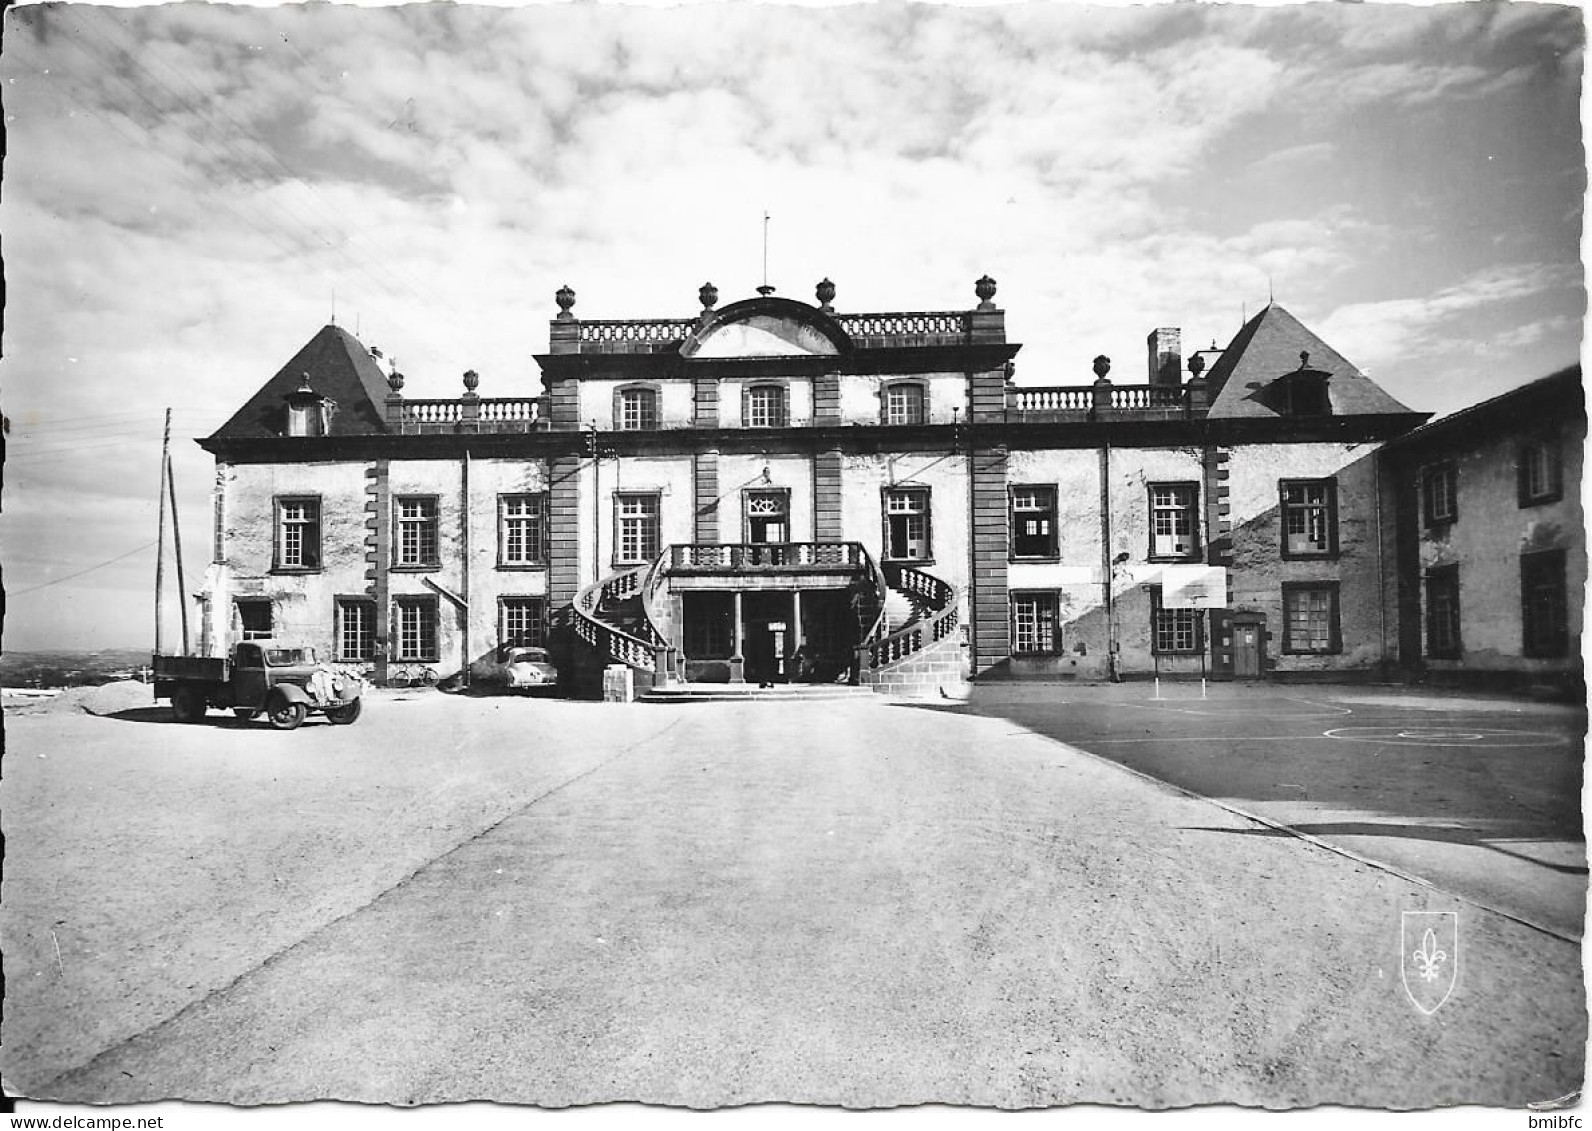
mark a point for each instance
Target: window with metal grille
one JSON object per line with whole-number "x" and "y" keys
{"x": 765, "y": 406}
{"x": 298, "y": 533}
{"x": 417, "y": 629}
{"x": 906, "y": 520}
{"x": 636, "y": 529}
{"x": 1309, "y": 518}
{"x": 1541, "y": 480}
{"x": 417, "y": 531}
{"x": 254, "y": 620}
{"x": 1034, "y": 625}
{"x": 1310, "y": 617}
{"x": 1439, "y": 491}
{"x": 638, "y": 409}
{"x": 522, "y": 621}
{"x": 1442, "y": 613}
{"x": 767, "y": 516}
{"x": 1174, "y": 631}
{"x": 904, "y": 404}
{"x": 522, "y": 529}
{"x": 356, "y": 629}
{"x": 1544, "y": 608}
{"x": 1033, "y": 522}
{"x": 1174, "y": 526}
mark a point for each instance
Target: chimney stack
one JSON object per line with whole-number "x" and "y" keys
{"x": 1166, "y": 357}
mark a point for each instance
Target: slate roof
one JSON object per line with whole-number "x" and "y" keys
{"x": 338, "y": 367}
{"x": 1558, "y": 397}
{"x": 1243, "y": 380}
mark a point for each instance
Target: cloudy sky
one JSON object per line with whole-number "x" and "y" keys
{"x": 188, "y": 187}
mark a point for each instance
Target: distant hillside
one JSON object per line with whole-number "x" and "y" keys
{"x": 69, "y": 669}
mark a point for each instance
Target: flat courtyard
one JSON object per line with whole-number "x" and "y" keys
{"x": 843, "y": 902}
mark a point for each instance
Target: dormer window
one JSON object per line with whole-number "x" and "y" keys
{"x": 308, "y": 413}
{"x": 1305, "y": 394}
{"x": 765, "y": 406}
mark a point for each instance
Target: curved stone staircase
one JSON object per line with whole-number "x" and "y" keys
{"x": 907, "y": 622}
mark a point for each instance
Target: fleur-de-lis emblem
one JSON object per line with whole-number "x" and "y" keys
{"x": 1430, "y": 957}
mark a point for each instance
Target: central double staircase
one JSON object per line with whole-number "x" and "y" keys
{"x": 907, "y": 619}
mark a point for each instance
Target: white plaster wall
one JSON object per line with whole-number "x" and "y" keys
{"x": 303, "y": 603}
{"x": 799, "y": 398}
{"x": 670, "y": 476}
{"x": 860, "y": 396}
{"x": 595, "y": 396}
{"x": 490, "y": 478}
{"x": 738, "y": 473}
{"x": 862, "y": 505}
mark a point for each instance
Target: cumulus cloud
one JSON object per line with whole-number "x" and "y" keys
{"x": 191, "y": 187}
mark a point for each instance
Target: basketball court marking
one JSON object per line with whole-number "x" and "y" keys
{"x": 1490, "y": 738}
{"x": 1264, "y": 707}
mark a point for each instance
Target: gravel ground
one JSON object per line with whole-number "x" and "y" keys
{"x": 561, "y": 903}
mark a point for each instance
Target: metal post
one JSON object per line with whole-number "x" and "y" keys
{"x": 176, "y": 548}
{"x": 160, "y": 544}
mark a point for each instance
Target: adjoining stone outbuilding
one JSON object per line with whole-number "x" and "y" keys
{"x": 774, "y": 491}
{"x": 1490, "y": 540}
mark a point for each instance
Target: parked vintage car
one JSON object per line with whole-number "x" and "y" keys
{"x": 529, "y": 667}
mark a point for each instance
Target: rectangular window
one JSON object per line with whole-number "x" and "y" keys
{"x": 1439, "y": 494}
{"x": 1035, "y": 630}
{"x": 417, "y": 629}
{"x": 765, "y": 406}
{"x": 1034, "y": 522}
{"x": 1310, "y": 618}
{"x": 417, "y": 531}
{"x": 638, "y": 409}
{"x": 298, "y": 533}
{"x": 1541, "y": 479}
{"x": 254, "y": 620}
{"x": 903, "y": 404}
{"x": 356, "y": 629}
{"x": 906, "y": 521}
{"x": 1174, "y": 631}
{"x": 522, "y": 530}
{"x": 1442, "y": 613}
{"x": 1174, "y": 524}
{"x": 522, "y": 621}
{"x": 636, "y": 537}
{"x": 1309, "y": 518}
{"x": 1544, "y": 607}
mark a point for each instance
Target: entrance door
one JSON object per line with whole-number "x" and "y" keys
{"x": 1247, "y": 647}
{"x": 767, "y": 637}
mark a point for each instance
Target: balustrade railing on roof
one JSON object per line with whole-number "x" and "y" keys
{"x": 904, "y": 323}
{"x": 636, "y": 329}
{"x": 1081, "y": 398}
{"x": 488, "y": 411}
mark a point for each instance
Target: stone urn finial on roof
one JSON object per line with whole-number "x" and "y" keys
{"x": 565, "y": 297}
{"x": 825, "y": 293}
{"x": 1196, "y": 365}
{"x": 985, "y": 290}
{"x": 395, "y": 379}
{"x": 471, "y": 380}
{"x": 708, "y": 295}
{"x": 1102, "y": 366}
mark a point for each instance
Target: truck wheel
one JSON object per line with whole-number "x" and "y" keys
{"x": 187, "y": 705}
{"x": 285, "y": 715}
{"x": 342, "y": 716}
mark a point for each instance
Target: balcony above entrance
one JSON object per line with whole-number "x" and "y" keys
{"x": 783, "y": 565}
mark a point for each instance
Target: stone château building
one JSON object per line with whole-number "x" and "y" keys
{"x": 772, "y": 490}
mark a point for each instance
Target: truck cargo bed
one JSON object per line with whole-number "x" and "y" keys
{"x": 211, "y": 668}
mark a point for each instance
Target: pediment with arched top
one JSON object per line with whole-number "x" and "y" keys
{"x": 766, "y": 327}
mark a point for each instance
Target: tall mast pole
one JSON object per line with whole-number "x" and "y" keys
{"x": 160, "y": 544}
{"x": 176, "y": 547}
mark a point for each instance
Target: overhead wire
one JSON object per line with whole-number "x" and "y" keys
{"x": 81, "y": 572}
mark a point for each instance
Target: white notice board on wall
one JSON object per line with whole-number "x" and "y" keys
{"x": 1193, "y": 587}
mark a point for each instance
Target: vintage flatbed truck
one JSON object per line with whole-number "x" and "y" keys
{"x": 286, "y": 683}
